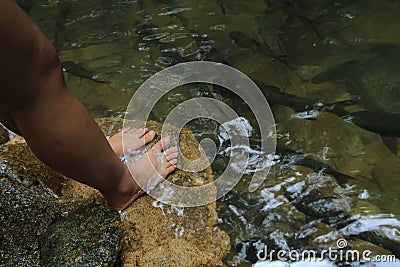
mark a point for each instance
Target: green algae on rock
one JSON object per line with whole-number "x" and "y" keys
{"x": 24, "y": 214}
{"x": 88, "y": 236}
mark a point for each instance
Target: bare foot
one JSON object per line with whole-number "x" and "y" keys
{"x": 157, "y": 163}
{"x": 135, "y": 139}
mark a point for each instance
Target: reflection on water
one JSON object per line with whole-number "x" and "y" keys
{"x": 329, "y": 70}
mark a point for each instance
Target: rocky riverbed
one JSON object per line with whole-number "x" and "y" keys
{"x": 49, "y": 220}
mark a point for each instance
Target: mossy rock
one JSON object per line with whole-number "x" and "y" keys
{"x": 24, "y": 214}
{"x": 88, "y": 236}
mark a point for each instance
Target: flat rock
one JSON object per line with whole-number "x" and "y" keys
{"x": 163, "y": 235}
{"x": 154, "y": 234}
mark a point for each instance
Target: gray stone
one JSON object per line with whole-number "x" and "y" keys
{"x": 88, "y": 236}
{"x": 24, "y": 212}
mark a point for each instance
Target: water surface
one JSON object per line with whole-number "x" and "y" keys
{"x": 329, "y": 69}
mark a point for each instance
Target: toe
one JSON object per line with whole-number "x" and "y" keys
{"x": 160, "y": 145}
{"x": 172, "y": 162}
{"x": 172, "y": 156}
{"x": 171, "y": 150}
{"x": 166, "y": 141}
{"x": 142, "y": 131}
{"x": 132, "y": 131}
{"x": 148, "y": 137}
{"x": 171, "y": 168}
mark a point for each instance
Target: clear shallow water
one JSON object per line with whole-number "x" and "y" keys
{"x": 334, "y": 176}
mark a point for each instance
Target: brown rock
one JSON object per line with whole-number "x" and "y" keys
{"x": 387, "y": 173}
{"x": 162, "y": 235}
{"x": 156, "y": 235}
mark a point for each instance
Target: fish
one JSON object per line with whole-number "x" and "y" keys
{"x": 221, "y": 4}
{"x": 173, "y": 6}
{"x": 269, "y": 33}
{"x": 383, "y": 123}
{"x": 338, "y": 74}
{"x": 77, "y": 70}
{"x": 317, "y": 206}
{"x": 292, "y": 9}
{"x": 301, "y": 159}
{"x": 245, "y": 41}
{"x": 63, "y": 8}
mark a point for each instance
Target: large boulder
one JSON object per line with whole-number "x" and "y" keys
{"x": 163, "y": 235}
{"x": 24, "y": 214}
{"x": 79, "y": 229}
{"x": 88, "y": 236}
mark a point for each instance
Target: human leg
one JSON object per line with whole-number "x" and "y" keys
{"x": 7, "y": 120}
{"x": 54, "y": 123}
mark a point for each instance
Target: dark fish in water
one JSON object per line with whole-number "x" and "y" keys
{"x": 274, "y": 96}
{"x": 174, "y": 10}
{"x": 270, "y": 34}
{"x": 77, "y": 70}
{"x": 295, "y": 158}
{"x": 385, "y": 124}
{"x": 338, "y": 74}
{"x": 297, "y": 103}
{"x": 221, "y": 4}
{"x": 317, "y": 206}
{"x": 373, "y": 77}
{"x": 292, "y": 9}
{"x": 331, "y": 7}
{"x": 244, "y": 41}
{"x": 63, "y": 8}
